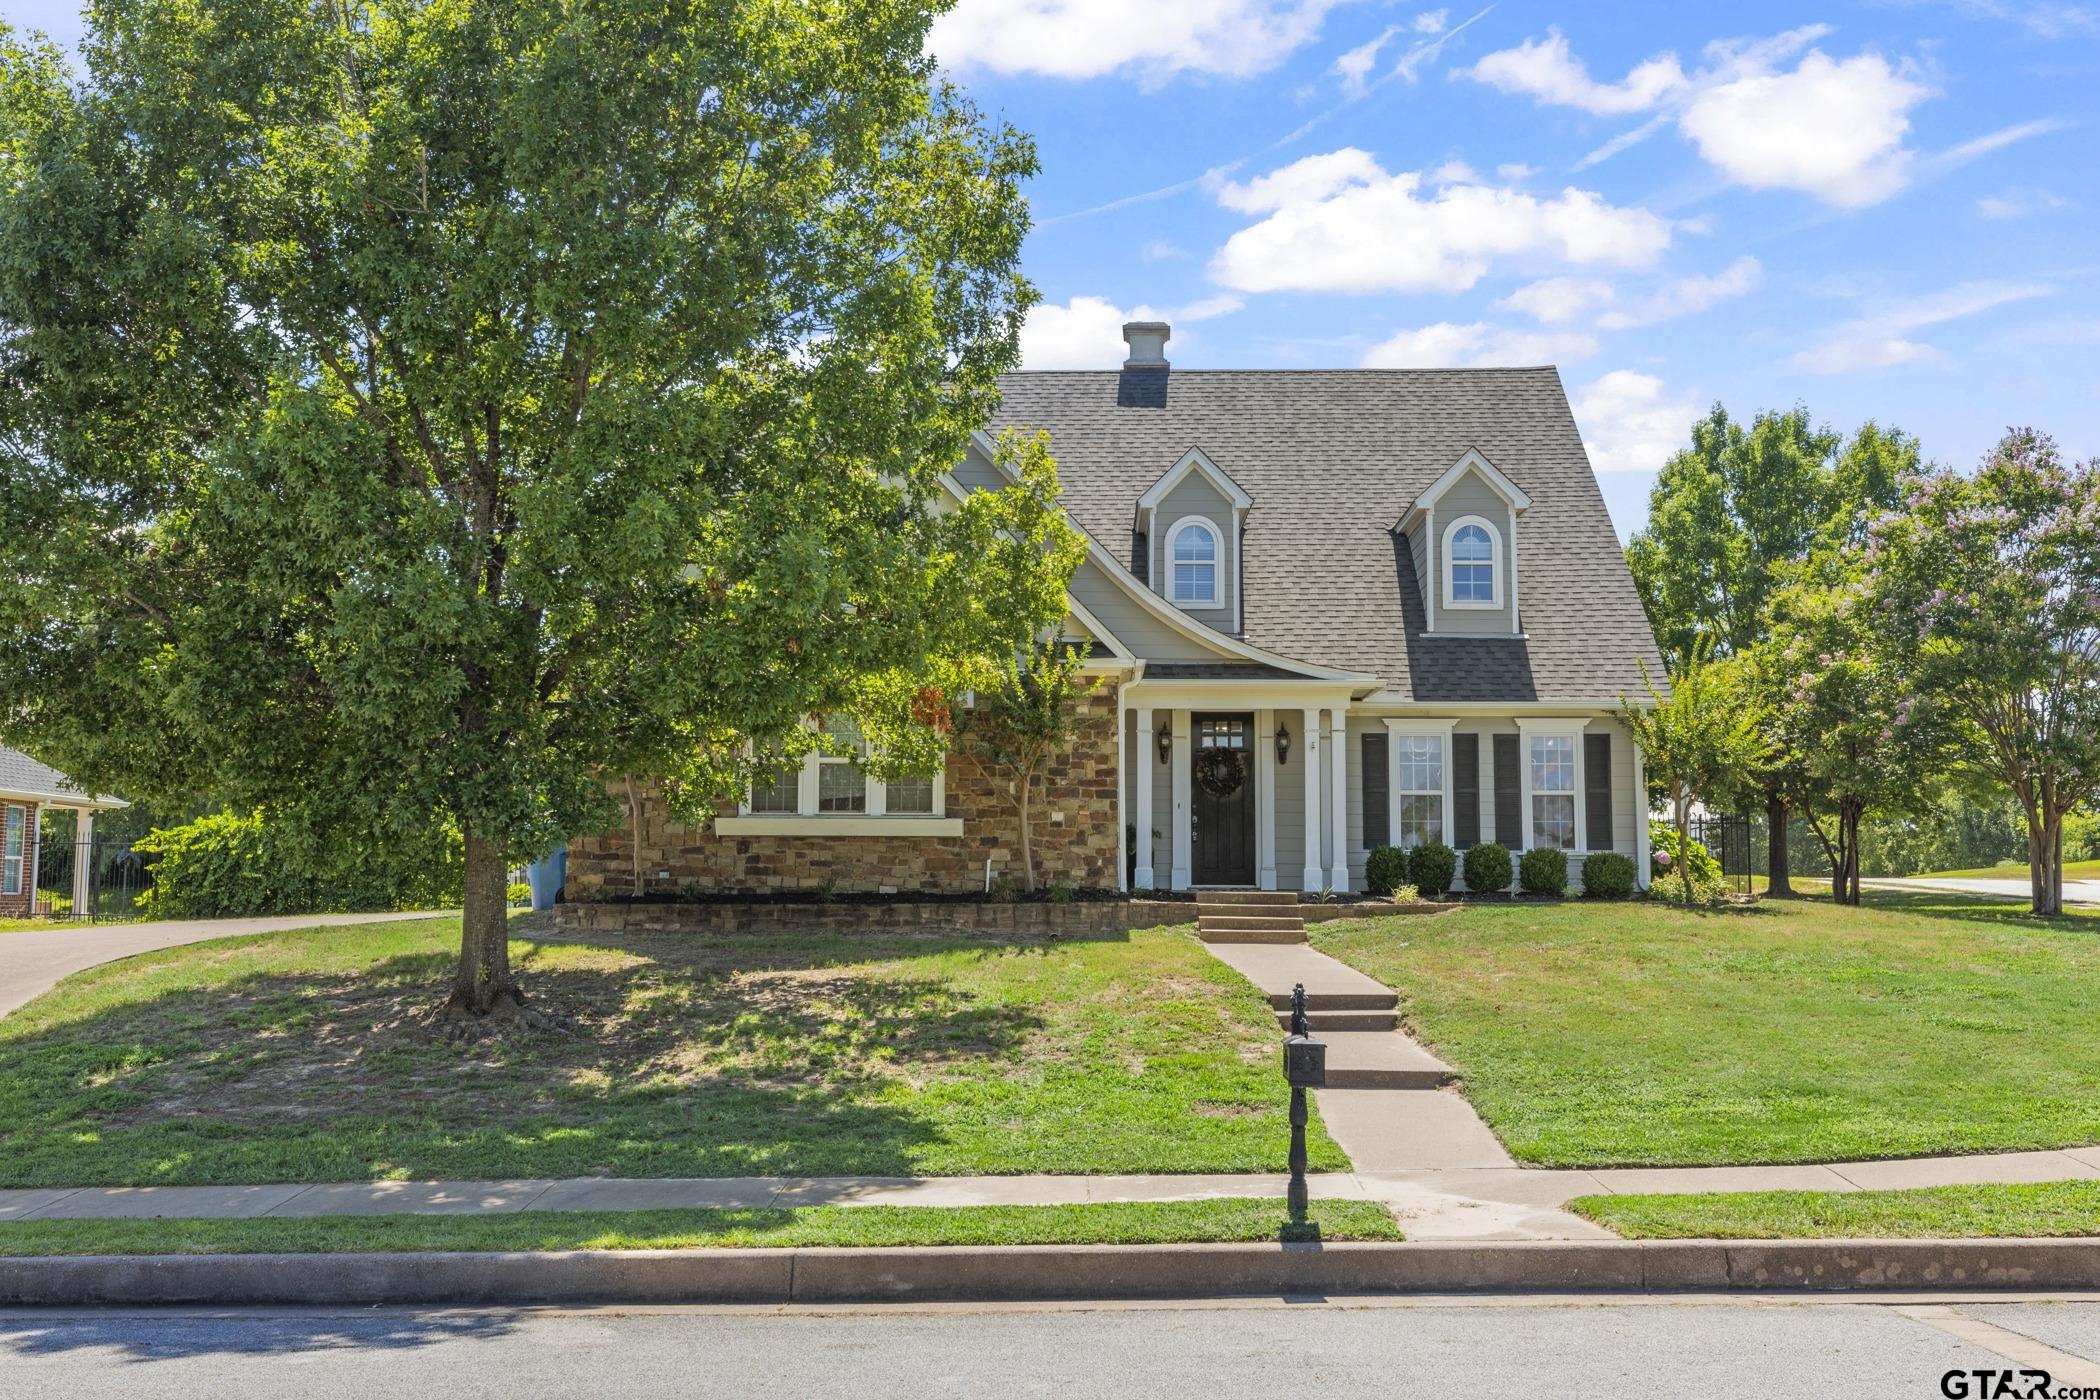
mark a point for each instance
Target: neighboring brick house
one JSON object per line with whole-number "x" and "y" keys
{"x": 28, "y": 790}
{"x": 1316, "y": 629}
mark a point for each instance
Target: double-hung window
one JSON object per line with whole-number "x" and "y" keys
{"x": 1192, "y": 551}
{"x": 1552, "y": 760}
{"x": 11, "y": 854}
{"x": 1472, "y": 564}
{"x": 841, "y": 785}
{"x": 835, "y": 784}
{"x": 1421, "y": 791}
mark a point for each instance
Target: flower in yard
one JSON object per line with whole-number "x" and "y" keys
{"x": 1662, "y": 859}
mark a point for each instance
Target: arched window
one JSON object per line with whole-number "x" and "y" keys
{"x": 1192, "y": 561}
{"x": 1472, "y": 564}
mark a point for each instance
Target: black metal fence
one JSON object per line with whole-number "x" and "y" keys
{"x": 1730, "y": 841}
{"x": 90, "y": 880}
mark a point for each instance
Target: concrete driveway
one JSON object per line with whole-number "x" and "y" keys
{"x": 33, "y": 963}
{"x": 2075, "y": 891}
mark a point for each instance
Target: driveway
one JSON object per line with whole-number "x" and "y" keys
{"x": 33, "y": 963}
{"x": 2075, "y": 891}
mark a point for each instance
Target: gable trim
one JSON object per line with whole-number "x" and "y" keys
{"x": 1511, "y": 494}
{"x": 1194, "y": 460}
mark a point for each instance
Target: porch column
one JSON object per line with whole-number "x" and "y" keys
{"x": 1145, "y": 760}
{"x": 1338, "y": 754}
{"x": 1184, "y": 772}
{"x": 1314, "y": 875}
{"x": 83, "y": 862}
{"x": 1265, "y": 799}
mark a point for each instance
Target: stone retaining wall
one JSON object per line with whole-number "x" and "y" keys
{"x": 1080, "y": 918}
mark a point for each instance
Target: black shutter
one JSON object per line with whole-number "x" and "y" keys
{"x": 1509, "y": 793}
{"x": 1465, "y": 790}
{"x": 1378, "y": 829}
{"x": 1596, "y": 782}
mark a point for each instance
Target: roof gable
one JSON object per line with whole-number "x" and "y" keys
{"x": 1193, "y": 460}
{"x": 1479, "y": 466}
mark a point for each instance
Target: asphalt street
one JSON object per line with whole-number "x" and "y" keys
{"x": 1768, "y": 1348}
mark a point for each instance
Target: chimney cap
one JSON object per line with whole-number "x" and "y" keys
{"x": 1148, "y": 344}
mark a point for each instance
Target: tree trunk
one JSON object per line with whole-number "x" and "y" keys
{"x": 2045, "y": 862}
{"x": 1845, "y": 873}
{"x": 634, "y": 831}
{"x": 482, "y": 985}
{"x": 1027, "y": 835}
{"x": 1684, "y": 845}
{"x": 1778, "y": 882}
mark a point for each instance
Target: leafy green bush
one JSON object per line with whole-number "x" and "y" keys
{"x": 1662, "y": 842}
{"x": 231, "y": 863}
{"x": 519, "y": 894}
{"x": 1488, "y": 868}
{"x": 1385, "y": 869}
{"x": 1543, "y": 870}
{"x": 1430, "y": 867}
{"x": 1607, "y": 875}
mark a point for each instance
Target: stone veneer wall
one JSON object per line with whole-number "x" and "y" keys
{"x": 1082, "y": 918}
{"x": 1074, "y": 828}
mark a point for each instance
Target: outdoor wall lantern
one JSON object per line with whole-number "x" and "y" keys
{"x": 1283, "y": 743}
{"x": 1165, "y": 738}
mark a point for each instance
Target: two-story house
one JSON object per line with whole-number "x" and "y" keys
{"x": 1329, "y": 610}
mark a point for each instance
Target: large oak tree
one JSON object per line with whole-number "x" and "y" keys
{"x": 435, "y": 408}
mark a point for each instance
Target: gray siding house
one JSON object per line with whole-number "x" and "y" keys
{"x": 1329, "y": 610}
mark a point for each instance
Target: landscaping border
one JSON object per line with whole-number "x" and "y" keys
{"x": 1049, "y": 1272}
{"x": 1079, "y": 918}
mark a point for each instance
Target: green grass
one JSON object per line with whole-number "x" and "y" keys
{"x": 311, "y": 1056}
{"x": 1939, "y": 1212}
{"x": 1129, "y": 1222}
{"x": 1787, "y": 1031}
{"x": 2011, "y": 870}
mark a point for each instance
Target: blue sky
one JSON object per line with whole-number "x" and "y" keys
{"x": 1880, "y": 210}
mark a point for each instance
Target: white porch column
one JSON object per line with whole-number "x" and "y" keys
{"x": 1643, "y": 860}
{"x": 83, "y": 862}
{"x": 1145, "y": 760}
{"x": 1314, "y": 876}
{"x": 1338, "y": 755}
{"x": 1265, "y": 799}
{"x": 1184, "y": 771}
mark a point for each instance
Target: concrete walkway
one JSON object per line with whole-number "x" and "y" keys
{"x": 33, "y": 962}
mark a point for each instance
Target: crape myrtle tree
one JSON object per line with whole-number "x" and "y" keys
{"x": 1988, "y": 589}
{"x": 1017, "y": 728}
{"x": 1857, "y": 738}
{"x": 419, "y": 411}
{"x": 1727, "y": 517}
{"x": 1704, "y": 742}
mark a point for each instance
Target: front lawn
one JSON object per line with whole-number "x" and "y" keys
{"x": 309, "y": 1056}
{"x": 1939, "y": 1212}
{"x": 1121, "y": 1222}
{"x": 1788, "y": 1031}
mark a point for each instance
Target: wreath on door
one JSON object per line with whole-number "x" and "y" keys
{"x": 1221, "y": 772}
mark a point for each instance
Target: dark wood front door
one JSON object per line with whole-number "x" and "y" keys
{"x": 1221, "y": 811}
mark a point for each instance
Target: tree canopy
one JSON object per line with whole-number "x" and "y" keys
{"x": 416, "y": 410}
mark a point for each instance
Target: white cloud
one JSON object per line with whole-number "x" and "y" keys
{"x": 1087, "y": 332}
{"x": 1687, "y": 295}
{"x": 1630, "y": 423}
{"x": 1833, "y": 128}
{"x": 1548, "y": 71}
{"x": 2018, "y": 203}
{"x": 1431, "y": 21}
{"x": 1354, "y": 67}
{"x": 1455, "y": 172}
{"x": 1444, "y": 345}
{"x": 1339, "y": 222}
{"x": 1155, "y": 40}
{"x": 1882, "y": 340}
{"x": 1516, "y": 171}
{"x": 1160, "y": 250}
{"x": 1555, "y": 301}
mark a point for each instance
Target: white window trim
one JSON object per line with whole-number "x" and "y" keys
{"x": 806, "y": 820}
{"x": 1571, "y": 730}
{"x": 1396, "y": 728}
{"x": 1217, "y": 568}
{"x": 1447, "y": 563}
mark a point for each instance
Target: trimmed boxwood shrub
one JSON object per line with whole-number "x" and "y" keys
{"x": 1543, "y": 870}
{"x": 1385, "y": 869}
{"x": 1607, "y": 875}
{"x": 1488, "y": 868}
{"x": 1430, "y": 867}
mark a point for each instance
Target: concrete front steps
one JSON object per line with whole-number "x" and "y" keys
{"x": 1354, "y": 1014}
{"x": 1248, "y": 916}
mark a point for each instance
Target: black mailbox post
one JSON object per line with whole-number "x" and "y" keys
{"x": 1304, "y": 1067}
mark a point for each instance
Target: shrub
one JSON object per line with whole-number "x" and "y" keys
{"x": 1662, "y": 843}
{"x": 519, "y": 893}
{"x": 233, "y": 863}
{"x": 1406, "y": 894}
{"x": 1430, "y": 867}
{"x": 1488, "y": 868}
{"x": 1607, "y": 875}
{"x": 1543, "y": 870}
{"x": 1385, "y": 870}
{"x": 1060, "y": 892}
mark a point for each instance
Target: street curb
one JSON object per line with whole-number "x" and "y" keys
{"x": 1048, "y": 1272}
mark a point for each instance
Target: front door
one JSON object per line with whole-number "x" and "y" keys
{"x": 1221, "y": 813}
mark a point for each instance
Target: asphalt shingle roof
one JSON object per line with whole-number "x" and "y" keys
{"x": 21, "y": 773}
{"x": 1333, "y": 459}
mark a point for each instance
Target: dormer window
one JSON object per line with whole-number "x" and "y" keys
{"x": 1192, "y": 553}
{"x": 1472, "y": 564}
